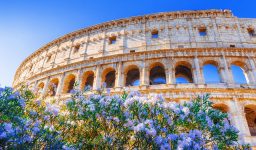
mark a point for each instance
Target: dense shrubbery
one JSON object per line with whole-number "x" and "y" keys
{"x": 101, "y": 121}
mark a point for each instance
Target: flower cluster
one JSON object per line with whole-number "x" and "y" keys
{"x": 104, "y": 121}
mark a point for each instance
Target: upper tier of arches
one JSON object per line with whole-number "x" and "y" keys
{"x": 171, "y": 30}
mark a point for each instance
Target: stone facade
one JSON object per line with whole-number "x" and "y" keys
{"x": 152, "y": 51}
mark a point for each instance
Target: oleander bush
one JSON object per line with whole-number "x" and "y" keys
{"x": 102, "y": 121}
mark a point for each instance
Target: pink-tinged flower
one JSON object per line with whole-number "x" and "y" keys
{"x": 116, "y": 119}
{"x": 151, "y": 132}
{"x": 52, "y": 109}
{"x": 46, "y": 118}
{"x": 129, "y": 123}
{"x": 140, "y": 127}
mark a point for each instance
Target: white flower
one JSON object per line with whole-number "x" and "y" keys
{"x": 91, "y": 107}
{"x": 185, "y": 110}
{"x": 51, "y": 128}
{"x": 65, "y": 147}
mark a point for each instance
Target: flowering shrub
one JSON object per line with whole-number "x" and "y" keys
{"x": 101, "y": 121}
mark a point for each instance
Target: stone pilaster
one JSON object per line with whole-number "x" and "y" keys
{"x": 253, "y": 69}
{"x": 119, "y": 75}
{"x": 80, "y": 77}
{"x": 144, "y": 75}
{"x": 197, "y": 74}
{"x": 61, "y": 83}
{"x": 239, "y": 120}
{"x": 222, "y": 73}
{"x": 228, "y": 71}
{"x": 97, "y": 78}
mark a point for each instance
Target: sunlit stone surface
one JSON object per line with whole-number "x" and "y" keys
{"x": 163, "y": 53}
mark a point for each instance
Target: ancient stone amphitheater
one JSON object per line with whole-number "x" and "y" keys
{"x": 159, "y": 53}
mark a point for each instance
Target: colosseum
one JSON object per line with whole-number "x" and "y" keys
{"x": 158, "y": 53}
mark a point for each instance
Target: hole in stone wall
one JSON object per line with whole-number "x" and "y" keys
{"x": 40, "y": 87}
{"x": 133, "y": 77}
{"x": 110, "y": 78}
{"x": 112, "y": 40}
{"x": 183, "y": 74}
{"x": 48, "y": 58}
{"x": 211, "y": 73}
{"x": 69, "y": 83}
{"x": 239, "y": 75}
{"x": 88, "y": 79}
{"x": 202, "y": 31}
{"x": 154, "y": 34}
{"x": 76, "y": 48}
{"x": 157, "y": 75}
{"x": 221, "y": 107}
{"x": 250, "y": 114}
{"x": 251, "y": 32}
{"x": 53, "y": 87}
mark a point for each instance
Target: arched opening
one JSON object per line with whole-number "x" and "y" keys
{"x": 109, "y": 77}
{"x": 53, "y": 87}
{"x": 157, "y": 74}
{"x": 132, "y": 76}
{"x": 211, "y": 73}
{"x": 69, "y": 83}
{"x": 88, "y": 78}
{"x": 183, "y": 73}
{"x": 40, "y": 87}
{"x": 239, "y": 74}
{"x": 221, "y": 107}
{"x": 250, "y": 114}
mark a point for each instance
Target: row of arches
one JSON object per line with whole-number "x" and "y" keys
{"x": 88, "y": 78}
{"x": 157, "y": 75}
{"x": 250, "y": 115}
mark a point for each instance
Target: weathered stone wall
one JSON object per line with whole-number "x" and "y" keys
{"x": 127, "y": 44}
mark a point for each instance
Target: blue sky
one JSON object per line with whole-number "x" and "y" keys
{"x": 26, "y": 25}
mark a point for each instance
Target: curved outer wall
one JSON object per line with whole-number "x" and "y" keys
{"x": 128, "y": 43}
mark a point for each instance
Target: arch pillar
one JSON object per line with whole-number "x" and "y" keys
{"x": 239, "y": 120}
{"x": 170, "y": 75}
{"x": 253, "y": 69}
{"x": 223, "y": 77}
{"x": 119, "y": 75}
{"x": 61, "y": 83}
{"x": 97, "y": 78}
{"x": 228, "y": 72}
{"x": 144, "y": 74}
{"x": 250, "y": 76}
{"x": 79, "y": 77}
{"x": 197, "y": 73}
